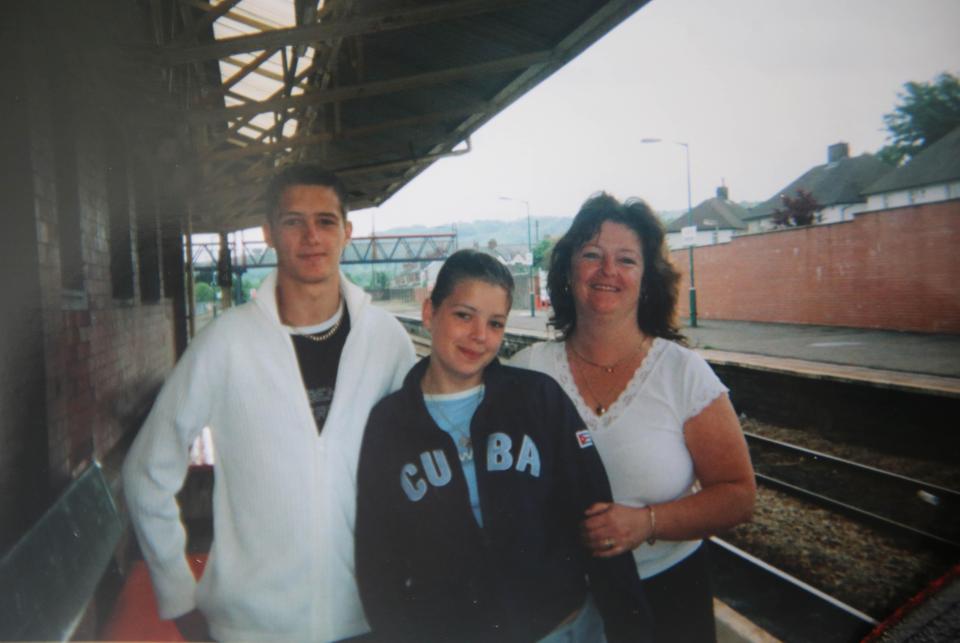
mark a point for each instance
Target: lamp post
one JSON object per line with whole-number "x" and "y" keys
{"x": 693, "y": 286}
{"x": 533, "y": 300}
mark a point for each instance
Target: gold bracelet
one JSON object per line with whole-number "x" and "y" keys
{"x": 653, "y": 526}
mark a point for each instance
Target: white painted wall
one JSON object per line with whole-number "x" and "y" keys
{"x": 704, "y": 238}
{"x": 760, "y": 225}
{"x": 830, "y": 214}
{"x": 913, "y": 196}
{"x": 841, "y": 212}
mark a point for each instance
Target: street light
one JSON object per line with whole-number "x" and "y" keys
{"x": 533, "y": 307}
{"x": 693, "y": 287}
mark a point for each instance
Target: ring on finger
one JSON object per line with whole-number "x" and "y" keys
{"x": 609, "y": 543}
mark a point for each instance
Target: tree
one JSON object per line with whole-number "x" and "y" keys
{"x": 203, "y": 292}
{"x": 541, "y": 253}
{"x": 380, "y": 280}
{"x": 927, "y": 112}
{"x": 798, "y": 210}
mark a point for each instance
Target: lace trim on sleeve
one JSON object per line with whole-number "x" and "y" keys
{"x": 704, "y": 399}
{"x": 708, "y": 386}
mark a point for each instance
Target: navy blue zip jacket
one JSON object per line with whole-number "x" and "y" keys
{"x": 428, "y": 572}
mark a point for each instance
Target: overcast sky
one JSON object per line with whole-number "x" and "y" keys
{"x": 757, "y": 88}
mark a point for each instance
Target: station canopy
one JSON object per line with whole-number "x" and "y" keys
{"x": 375, "y": 90}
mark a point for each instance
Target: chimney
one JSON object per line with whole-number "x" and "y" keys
{"x": 838, "y": 152}
{"x": 723, "y": 192}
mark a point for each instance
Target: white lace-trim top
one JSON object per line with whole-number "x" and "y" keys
{"x": 640, "y": 437}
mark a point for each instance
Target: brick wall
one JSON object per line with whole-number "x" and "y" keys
{"x": 894, "y": 269}
{"x": 80, "y": 366}
{"x": 23, "y": 445}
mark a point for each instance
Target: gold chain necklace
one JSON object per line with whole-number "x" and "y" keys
{"x": 604, "y": 367}
{"x": 325, "y": 335}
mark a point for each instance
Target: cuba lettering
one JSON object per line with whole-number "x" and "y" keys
{"x": 436, "y": 468}
{"x": 499, "y": 458}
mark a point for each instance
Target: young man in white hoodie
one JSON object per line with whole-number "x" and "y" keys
{"x": 285, "y": 383}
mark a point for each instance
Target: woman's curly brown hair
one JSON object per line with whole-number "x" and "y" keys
{"x": 656, "y": 313}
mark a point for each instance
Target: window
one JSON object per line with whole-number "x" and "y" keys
{"x": 118, "y": 202}
{"x": 64, "y": 130}
{"x": 148, "y": 246}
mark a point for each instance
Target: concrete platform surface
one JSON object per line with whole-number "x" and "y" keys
{"x": 733, "y": 627}
{"x": 895, "y": 351}
{"x": 932, "y": 354}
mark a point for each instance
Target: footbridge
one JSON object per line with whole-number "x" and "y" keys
{"x": 398, "y": 248}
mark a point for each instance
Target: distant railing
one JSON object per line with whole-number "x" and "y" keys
{"x": 400, "y": 248}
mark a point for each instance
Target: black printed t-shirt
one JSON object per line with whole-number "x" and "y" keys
{"x": 318, "y": 367}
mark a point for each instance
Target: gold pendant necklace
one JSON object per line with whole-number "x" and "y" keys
{"x": 600, "y": 409}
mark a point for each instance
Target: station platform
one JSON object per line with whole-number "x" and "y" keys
{"x": 916, "y": 362}
{"x": 896, "y": 351}
{"x": 135, "y": 615}
{"x": 908, "y": 361}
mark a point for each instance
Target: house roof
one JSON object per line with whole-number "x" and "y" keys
{"x": 939, "y": 163}
{"x": 717, "y": 213}
{"x": 842, "y": 181}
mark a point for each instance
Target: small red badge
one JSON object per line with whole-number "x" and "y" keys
{"x": 584, "y": 439}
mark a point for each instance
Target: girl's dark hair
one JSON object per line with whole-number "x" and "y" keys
{"x": 304, "y": 174}
{"x": 656, "y": 313}
{"x": 470, "y": 264}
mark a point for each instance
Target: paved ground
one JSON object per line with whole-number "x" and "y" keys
{"x": 890, "y": 350}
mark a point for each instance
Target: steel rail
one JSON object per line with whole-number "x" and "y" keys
{"x": 781, "y": 604}
{"x": 856, "y": 512}
{"x": 835, "y": 501}
{"x": 819, "y": 455}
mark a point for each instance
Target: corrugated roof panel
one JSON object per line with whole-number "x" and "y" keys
{"x": 382, "y": 88}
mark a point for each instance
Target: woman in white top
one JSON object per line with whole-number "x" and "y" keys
{"x": 660, "y": 418}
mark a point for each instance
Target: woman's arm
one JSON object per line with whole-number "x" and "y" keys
{"x": 582, "y": 481}
{"x": 721, "y": 464}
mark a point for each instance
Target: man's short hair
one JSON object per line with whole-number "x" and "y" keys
{"x": 304, "y": 174}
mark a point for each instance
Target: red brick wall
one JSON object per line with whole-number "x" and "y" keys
{"x": 97, "y": 360}
{"x": 105, "y": 357}
{"x": 896, "y": 269}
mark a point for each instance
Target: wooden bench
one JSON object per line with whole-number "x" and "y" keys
{"x": 49, "y": 577}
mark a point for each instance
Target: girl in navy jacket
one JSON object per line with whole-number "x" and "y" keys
{"x": 472, "y": 484}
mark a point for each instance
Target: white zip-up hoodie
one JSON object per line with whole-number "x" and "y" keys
{"x": 281, "y": 566}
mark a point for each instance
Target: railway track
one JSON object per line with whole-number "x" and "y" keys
{"x": 781, "y": 604}
{"x": 923, "y": 511}
{"x": 914, "y": 508}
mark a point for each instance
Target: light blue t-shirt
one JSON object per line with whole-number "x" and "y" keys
{"x": 452, "y": 412}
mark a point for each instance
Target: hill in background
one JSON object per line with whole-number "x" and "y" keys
{"x": 513, "y": 232}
